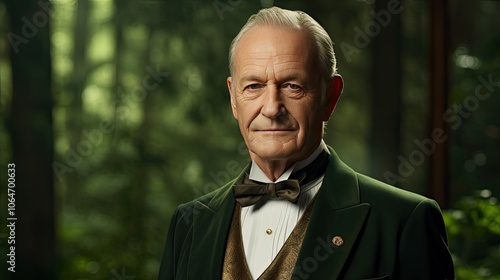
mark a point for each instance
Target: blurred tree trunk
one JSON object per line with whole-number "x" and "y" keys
{"x": 75, "y": 88}
{"x": 32, "y": 139}
{"x": 439, "y": 170}
{"x": 80, "y": 69}
{"x": 118, "y": 26}
{"x": 386, "y": 95}
{"x": 141, "y": 179}
{"x": 80, "y": 56}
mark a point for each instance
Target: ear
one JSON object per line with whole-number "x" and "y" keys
{"x": 333, "y": 94}
{"x": 232, "y": 97}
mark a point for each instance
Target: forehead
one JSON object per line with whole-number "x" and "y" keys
{"x": 279, "y": 45}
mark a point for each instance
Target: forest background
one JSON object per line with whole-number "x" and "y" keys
{"x": 114, "y": 112}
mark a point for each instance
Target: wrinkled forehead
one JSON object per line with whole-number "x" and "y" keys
{"x": 277, "y": 44}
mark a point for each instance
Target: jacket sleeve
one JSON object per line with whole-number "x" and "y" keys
{"x": 423, "y": 247}
{"x": 177, "y": 245}
{"x": 168, "y": 262}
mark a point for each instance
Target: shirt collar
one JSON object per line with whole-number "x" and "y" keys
{"x": 257, "y": 174}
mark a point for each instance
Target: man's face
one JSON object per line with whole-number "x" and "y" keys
{"x": 276, "y": 94}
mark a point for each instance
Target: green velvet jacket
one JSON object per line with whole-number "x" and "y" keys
{"x": 387, "y": 233}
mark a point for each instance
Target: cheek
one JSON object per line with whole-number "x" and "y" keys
{"x": 311, "y": 121}
{"x": 244, "y": 121}
{"x": 306, "y": 114}
{"x": 247, "y": 112}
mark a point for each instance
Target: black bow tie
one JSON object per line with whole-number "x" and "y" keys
{"x": 250, "y": 192}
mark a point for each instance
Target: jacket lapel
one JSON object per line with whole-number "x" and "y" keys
{"x": 337, "y": 214}
{"x": 211, "y": 223}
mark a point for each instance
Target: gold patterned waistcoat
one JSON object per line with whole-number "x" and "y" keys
{"x": 281, "y": 268}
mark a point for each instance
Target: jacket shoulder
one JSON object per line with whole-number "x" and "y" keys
{"x": 374, "y": 188}
{"x": 211, "y": 200}
{"x": 385, "y": 197}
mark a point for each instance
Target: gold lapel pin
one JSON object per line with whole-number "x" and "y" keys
{"x": 337, "y": 241}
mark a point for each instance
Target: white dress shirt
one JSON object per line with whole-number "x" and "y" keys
{"x": 265, "y": 227}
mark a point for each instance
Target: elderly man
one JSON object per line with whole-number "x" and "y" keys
{"x": 297, "y": 211}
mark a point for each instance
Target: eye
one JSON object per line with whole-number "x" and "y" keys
{"x": 253, "y": 86}
{"x": 292, "y": 89}
{"x": 290, "y": 86}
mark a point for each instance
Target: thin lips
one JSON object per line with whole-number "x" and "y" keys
{"x": 274, "y": 129}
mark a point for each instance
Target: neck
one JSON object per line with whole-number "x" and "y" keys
{"x": 272, "y": 168}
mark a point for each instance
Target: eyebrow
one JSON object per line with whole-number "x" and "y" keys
{"x": 289, "y": 77}
{"x": 250, "y": 78}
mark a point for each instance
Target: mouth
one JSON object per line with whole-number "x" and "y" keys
{"x": 274, "y": 131}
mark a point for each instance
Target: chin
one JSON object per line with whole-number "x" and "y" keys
{"x": 274, "y": 152}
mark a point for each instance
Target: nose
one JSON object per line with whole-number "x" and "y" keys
{"x": 272, "y": 105}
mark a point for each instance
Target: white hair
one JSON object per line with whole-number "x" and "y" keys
{"x": 298, "y": 20}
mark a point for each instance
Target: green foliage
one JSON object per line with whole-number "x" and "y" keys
{"x": 474, "y": 236}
